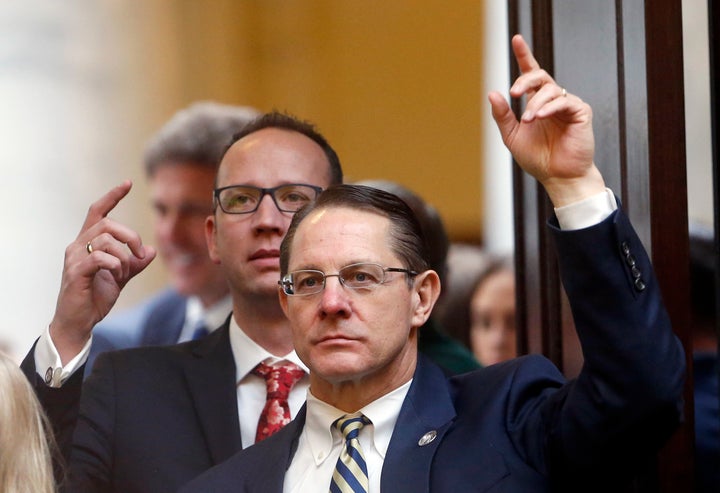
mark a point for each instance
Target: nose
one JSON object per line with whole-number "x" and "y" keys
{"x": 334, "y": 298}
{"x": 169, "y": 227}
{"x": 268, "y": 218}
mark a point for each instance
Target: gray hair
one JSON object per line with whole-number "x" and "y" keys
{"x": 199, "y": 134}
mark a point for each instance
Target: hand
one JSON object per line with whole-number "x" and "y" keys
{"x": 553, "y": 140}
{"x": 93, "y": 277}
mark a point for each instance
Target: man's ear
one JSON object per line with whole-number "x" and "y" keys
{"x": 211, "y": 238}
{"x": 427, "y": 290}
{"x": 283, "y": 298}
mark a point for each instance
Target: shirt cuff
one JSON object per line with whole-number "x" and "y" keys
{"x": 49, "y": 365}
{"x": 587, "y": 212}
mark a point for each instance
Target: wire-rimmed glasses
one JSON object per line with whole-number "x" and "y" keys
{"x": 361, "y": 276}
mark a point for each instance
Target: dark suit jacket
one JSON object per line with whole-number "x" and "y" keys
{"x": 150, "y": 418}
{"x": 518, "y": 426}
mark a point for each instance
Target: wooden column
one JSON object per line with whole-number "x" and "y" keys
{"x": 625, "y": 59}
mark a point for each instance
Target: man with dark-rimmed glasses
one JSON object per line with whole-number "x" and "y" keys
{"x": 153, "y": 418}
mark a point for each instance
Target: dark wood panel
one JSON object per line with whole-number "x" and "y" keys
{"x": 667, "y": 178}
{"x": 625, "y": 59}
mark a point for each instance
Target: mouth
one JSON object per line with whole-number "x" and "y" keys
{"x": 265, "y": 254}
{"x": 334, "y": 339}
{"x": 182, "y": 260}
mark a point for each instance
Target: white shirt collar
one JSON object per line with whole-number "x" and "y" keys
{"x": 213, "y": 316}
{"x": 383, "y": 412}
{"x": 248, "y": 353}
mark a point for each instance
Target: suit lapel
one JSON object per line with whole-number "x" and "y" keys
{"x": 274, "y": 453}
{"x": 210, "y": 376}
{"x": 424, "y": 418}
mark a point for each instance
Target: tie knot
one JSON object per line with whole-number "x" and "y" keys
{"x": 350, "y": 424}
{"x": 280, "y": 378}
{"x": 199, "y": 332}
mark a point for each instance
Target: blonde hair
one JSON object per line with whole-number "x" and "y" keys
{"x": 25, "y": 435}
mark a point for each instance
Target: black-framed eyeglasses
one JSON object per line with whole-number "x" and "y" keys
{"x": 244, "y": 199}
{"x": 361, "y": 276}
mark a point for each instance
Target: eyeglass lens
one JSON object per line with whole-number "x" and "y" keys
{"x": 355, "y": 276}
{"x": 243, "y": 199}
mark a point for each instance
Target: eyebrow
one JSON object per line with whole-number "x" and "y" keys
{"x": 352, "y": 262}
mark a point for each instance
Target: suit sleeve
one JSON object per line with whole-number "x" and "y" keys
{"x": 627, "y": 399}
{"x": 90, "y": 467}
{"x": 61, "y": 407}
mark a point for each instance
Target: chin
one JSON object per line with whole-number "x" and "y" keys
{"x": 338, "y": 367}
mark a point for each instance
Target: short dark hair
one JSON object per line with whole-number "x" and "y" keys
{"x": 199, "y": 134}
{"x": 430, "y": 221}
{"x": 277, "y": 119}
{"x": 406, "y": 236}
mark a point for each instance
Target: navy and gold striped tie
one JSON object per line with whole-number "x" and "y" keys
{"x": 350, "y": 475}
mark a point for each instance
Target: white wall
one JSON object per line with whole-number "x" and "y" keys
{"x": 697, "y": 112}
{"x": 67, "y": 122}
{"x": 497, "y": 163}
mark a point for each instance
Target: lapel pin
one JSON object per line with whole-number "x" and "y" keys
{"x": 427, "y": 438}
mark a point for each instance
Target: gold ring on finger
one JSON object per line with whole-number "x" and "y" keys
{"x": 88, "y": 247}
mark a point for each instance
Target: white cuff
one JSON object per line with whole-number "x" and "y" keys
{"x": 49, "y": 365}
{"x": 587, "y": 212}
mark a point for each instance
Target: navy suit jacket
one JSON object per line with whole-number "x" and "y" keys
{"x": 157, "y": 321}
{"x": 519, "y": 426}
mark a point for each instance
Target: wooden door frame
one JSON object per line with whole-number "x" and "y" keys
{"x": 653, "y": 189}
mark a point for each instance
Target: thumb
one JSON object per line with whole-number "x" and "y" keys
{"x": 503, "y": 115}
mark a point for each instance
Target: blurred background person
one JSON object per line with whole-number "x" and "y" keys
{"x": 180, "y": 163}
{"x": 433, "y": 341}
{"x": 25, "y": 438}
{"x": 492, "y": 313}
{"x": 479, "y": 307}
{"x": 465, "y": 263}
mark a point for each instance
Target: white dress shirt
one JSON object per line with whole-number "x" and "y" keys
{"x": 320, "y": 442}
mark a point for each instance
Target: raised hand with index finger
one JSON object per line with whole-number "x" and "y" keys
{"x": 553, "y": 139}
{"x": 98, "y": 264}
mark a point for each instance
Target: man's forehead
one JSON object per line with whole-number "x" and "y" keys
{"x": 275, "y": 138}
{"x": 337, "y": 226}
{"x": 271, "y": 157}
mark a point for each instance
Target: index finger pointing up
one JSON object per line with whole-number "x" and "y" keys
{"x": 525, "y": 59}
{"x": 102, "y": 207}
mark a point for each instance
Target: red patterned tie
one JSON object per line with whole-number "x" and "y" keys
{"x": 279, "y": 379}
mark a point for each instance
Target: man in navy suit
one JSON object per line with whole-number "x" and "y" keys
{"x": 180, "y": 164}
{"x": 356, "y": 287}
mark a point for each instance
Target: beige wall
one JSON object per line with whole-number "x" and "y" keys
{"x": 395, "y": 86}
